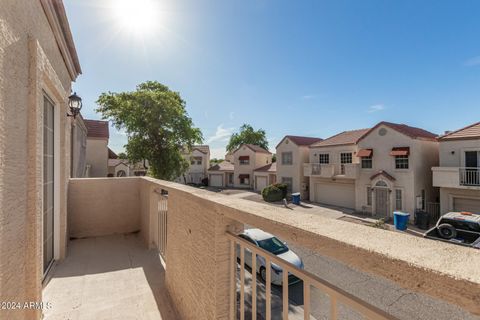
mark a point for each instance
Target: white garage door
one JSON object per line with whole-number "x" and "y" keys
{"x": 216, "y": 180}
{"x": 466, "y": 204}
{"x": 335, "y": 194}
{"x": 260, "y": 183}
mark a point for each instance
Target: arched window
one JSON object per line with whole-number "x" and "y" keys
{"x": 381, "y": 184}
{"x": 121, "y": 173}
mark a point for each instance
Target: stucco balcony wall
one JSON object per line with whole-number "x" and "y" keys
{"x": 198, "y": 251}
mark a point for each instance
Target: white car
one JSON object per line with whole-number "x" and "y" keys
{"x": 273, "y": 245}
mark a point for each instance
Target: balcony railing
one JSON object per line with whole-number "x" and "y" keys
{"x": 318, "y": 170}
{"x": 195, "y": 232}
{"x": 456, "y": 177}
{"x": 469, "y": 176}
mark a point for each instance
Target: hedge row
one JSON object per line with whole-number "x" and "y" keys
{"x": 274, "y": 192}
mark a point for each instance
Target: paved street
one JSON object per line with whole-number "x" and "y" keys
{"x": 380, "y": 292}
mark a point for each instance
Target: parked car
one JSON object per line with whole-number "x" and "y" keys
{"x": 461, "y": 228}
{"x": 273, "y": 245}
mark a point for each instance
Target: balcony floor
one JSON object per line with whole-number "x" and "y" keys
{"x": 112, "y": 277}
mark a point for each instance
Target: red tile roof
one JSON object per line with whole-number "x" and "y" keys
{"x": 97, "y": 128}
{"x": 412, "y": 132}
{"x": 202, "y": 148}
{"x": 272, "y": 167}
{"x": 254, "y": 148}
{"x": 222, "y": 166}
{"x": 301, "y": 141}
{"x": 343, "y": 138}
{"x": 469, "y": 132}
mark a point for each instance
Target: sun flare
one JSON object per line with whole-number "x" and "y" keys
{"x": 139, "y": 17}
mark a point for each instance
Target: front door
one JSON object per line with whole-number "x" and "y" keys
{"x": 381, "y": 202}
{"x": 48, "y": 183}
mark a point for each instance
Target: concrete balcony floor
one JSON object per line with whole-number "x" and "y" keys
{"x": 112, "y": 277}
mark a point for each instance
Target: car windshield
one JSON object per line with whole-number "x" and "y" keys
{"x": 273, "y": 245}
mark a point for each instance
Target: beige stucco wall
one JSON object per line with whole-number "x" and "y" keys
{"x": 30, "y": 64}
{"x": 103, "y": 206}
{"x": 300, "y": 155}
{"x": 97, "y": 157}
{"x": 448, "y": 194}
{"x": 257, "y": 160}
{"x": 458, "y": 147}
{"x": 79, "y": 148}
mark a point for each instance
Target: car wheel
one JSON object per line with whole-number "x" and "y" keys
{"x": 447, "y": 231}
{"x": 263, "y": 274}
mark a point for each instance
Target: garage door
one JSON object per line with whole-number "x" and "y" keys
{"x": 466, "y": 204}
{"x": 216, "y": 180}
{"x": 335, "y": 194}
{"x": 260, "y": 183}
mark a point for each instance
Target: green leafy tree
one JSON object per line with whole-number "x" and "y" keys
{"x": 122, "y": 155}
{"x": 157, "y": 125}
{"x": 248, "y": 135}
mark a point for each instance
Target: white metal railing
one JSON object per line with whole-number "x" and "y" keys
{"x": 336, "y": 295}
{"x": 318, "y": 169}
{"x": 469, "y": 176}
{"x": 161, "y": 234}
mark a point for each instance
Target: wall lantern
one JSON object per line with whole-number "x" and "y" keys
{"x": 75, "y": 104}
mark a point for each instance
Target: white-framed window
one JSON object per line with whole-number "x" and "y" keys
{"x": 345, "y": 157}
{"x": 324, "y": 158}
{"x": 244, "y": 160}
{"x": 367, "y": 162}
{"x": 369, "y": 196}
{"x": 196, "y": 160}
{"x": 401, "y": 162}
{"x": 289, "y": 182}
{"x": 398, "y": 199}
{"x": 287, "y": 158}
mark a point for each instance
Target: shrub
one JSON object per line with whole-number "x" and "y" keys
{"x": 274, "y": 192}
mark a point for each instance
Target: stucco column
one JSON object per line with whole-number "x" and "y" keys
{"x": 198, "y": 257}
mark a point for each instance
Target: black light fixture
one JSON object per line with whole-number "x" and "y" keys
{"x": 75, "y": 104}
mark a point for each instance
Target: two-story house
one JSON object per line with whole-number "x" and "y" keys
{"x": 458, "y": 175}
{"x": 332, "y": 169}
{"x": 376, "y": 171}
{"x": 246, "y": 159}
{"x": 292, "y": 153}
{"x": 199, "y": 160}
{"x": 394, "y": 169}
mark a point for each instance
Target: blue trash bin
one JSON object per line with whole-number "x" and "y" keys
{"x": 296, "y": 198}
{"x": 400, "y": 220}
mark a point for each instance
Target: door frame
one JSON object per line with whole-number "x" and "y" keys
{"x": 56, "y": 179}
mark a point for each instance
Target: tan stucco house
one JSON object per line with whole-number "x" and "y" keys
{"x": 375, "y": 171}
{"x": 221, "y": 175}
{"x": 458, "y": 175}
{"x": 246, "y": 159}
{"x": 199, "y": 160}
{"x": 38, "y": 63}
{"x": 97, "y": 147}
{"x": 292, "y": 153}
{"x": 264, "y": 176}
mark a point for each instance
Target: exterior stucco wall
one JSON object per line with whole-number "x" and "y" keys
{"x": 97, "y": 157}
{"x": 30, "y": 66}
{"x": 79, "y": 148}
{"x": 103, "y": 206}
{"x": 458, "y": 147}
{"x": 300, "y": 155}
{"x": 257, "y": 160}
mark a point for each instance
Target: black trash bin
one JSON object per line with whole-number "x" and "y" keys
{"x": 422, "y": 220}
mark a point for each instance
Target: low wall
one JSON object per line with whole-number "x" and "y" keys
{"x": 103, "y": 206}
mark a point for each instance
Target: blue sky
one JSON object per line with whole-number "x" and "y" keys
{"x": 310, "y": 68}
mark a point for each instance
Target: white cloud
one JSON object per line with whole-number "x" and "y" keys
{"x": 308, "y": 97}
{"x": 376, "y": 108}
{"x": 222, "y": 134}
{"x": 218, "y": 153}
{"x": 475, "y": 61}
